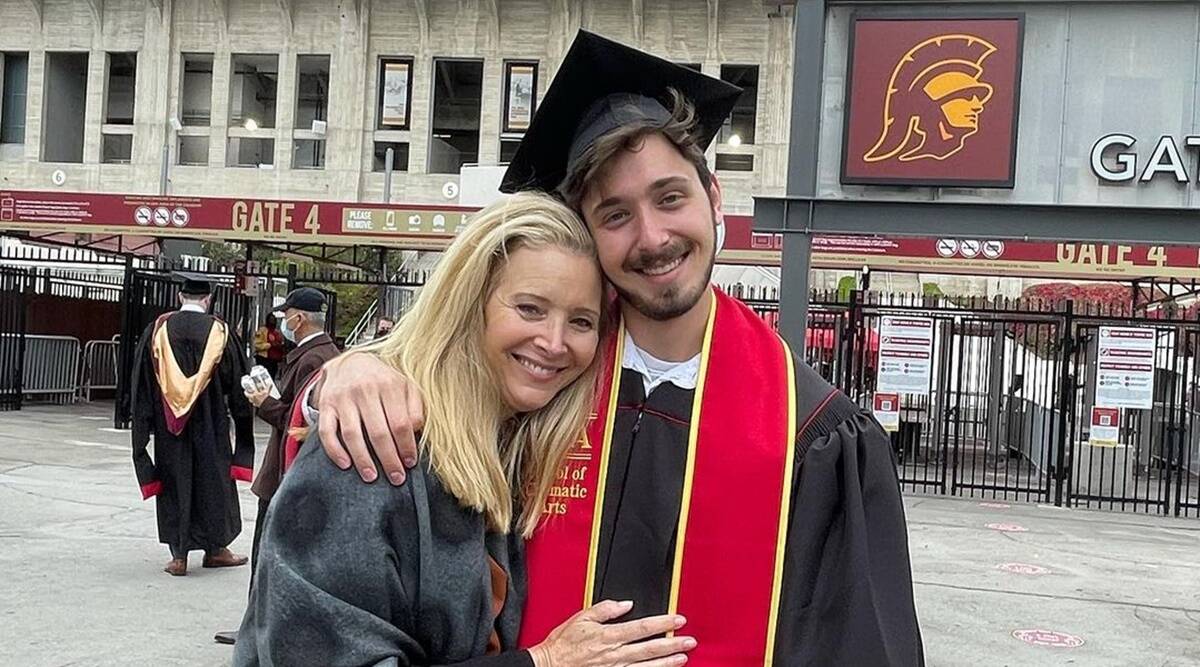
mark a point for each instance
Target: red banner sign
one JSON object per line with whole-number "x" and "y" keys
{"x": 245, "y": 219}
{"x": 426, "y": 227}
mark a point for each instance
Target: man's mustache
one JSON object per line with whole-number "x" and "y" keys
{"x": 671, "y": 252}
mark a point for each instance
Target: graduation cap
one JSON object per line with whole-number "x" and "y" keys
{"x": 603, "y": 85}
{"x": 194, "y": 284}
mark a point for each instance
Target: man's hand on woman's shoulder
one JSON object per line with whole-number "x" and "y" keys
{"x": 366, "y": 403}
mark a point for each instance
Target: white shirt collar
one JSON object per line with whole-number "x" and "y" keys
{"x": 655, "y": 371}
{"x": 309, "y": 337}
{"x": 191, "y": 308}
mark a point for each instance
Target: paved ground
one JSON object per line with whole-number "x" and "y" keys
{"x": 80, "y": 581}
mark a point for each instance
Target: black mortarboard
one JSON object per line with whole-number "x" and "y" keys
{"x": 194, "y": 284}
{"x": 600, "y": 86}
{"x": 304, "y": 298}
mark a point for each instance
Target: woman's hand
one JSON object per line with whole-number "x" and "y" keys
{"x": 587, "y": 639}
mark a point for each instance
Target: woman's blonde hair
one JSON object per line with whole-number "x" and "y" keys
{"x": 475, "y": 446}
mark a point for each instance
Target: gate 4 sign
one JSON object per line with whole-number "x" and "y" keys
{"x": 1125, "y": 368}
{"x": 905, "y": 354}
{"x": 1106, "y": 426}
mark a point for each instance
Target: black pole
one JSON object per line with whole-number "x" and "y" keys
{"x": 121, "y": 408}
{"x": 804, "y": 139}
{"x": 1066, "y": 396}
{"x": 381, "y": 309}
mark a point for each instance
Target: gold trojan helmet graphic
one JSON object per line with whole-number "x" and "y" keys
{"x": 934, "y": 99}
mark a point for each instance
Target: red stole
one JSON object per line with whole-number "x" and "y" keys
{"x": 296, "y": 423}
{"x": 736, "y": 492}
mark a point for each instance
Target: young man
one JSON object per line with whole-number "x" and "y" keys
{"x": 186, "y": 387}
{"x": 302, "y": 322}
{"x": 722, "y": 479}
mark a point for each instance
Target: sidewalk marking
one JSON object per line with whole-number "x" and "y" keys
{"x": 1048, "y": 638}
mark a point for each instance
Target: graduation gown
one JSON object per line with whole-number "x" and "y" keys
{"x": 373, "y": 574}
{"x": 847, "y": 585}
{"x": 194, "y": 467}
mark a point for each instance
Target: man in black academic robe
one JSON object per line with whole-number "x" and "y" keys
{"x": 186, "y": 390}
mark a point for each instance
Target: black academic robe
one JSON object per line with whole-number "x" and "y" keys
{"x": 192, "y": 472}
{"x": 847, "y": 585}
{"x": 355, "y": 574}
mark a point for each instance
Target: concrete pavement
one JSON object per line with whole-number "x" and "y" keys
{"x": 80, "y": 579}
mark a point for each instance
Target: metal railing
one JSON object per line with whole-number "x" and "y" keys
{"x": 51, "y": 367}
{"x": 99, "y": 367}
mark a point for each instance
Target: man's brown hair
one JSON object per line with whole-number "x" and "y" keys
{"x": 680, "y": 129}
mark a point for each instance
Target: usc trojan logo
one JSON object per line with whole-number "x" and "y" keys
{"x": 934, "y": 99}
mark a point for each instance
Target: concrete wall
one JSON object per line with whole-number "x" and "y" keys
{"x": 1089, "y": 69}
{"x": 356, "y": 34}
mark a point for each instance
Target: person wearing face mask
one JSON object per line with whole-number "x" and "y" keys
{"x": 384, "y": 327}
{"x": 302, "y": 322}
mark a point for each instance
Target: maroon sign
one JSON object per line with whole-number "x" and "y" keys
{"x": 235, "y": 219}
{"x": 932, "y": 101}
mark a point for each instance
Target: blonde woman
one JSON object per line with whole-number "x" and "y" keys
{"x": 502, "y": 345}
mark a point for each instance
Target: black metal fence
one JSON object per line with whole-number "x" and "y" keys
{"x": 1007, "y": 414}
{"x": 15, "y": 285}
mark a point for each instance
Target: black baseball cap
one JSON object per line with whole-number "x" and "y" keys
{"x": 603, "y": 85}
{"x": 304, "y": 298}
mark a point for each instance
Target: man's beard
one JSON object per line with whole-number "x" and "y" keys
{"x": 675, "y": 300}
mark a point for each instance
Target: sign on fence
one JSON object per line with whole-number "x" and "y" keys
{"x": 1125, "y": 371}
{"x": 905, "y": 354}
{"x": 1106, "y": 426}
{"x": 887, "y": 411}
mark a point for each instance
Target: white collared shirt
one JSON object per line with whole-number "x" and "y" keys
{"x": 654, "y": 371}
{"x": 191, "y": 308}
{"x": 309, "y": 337}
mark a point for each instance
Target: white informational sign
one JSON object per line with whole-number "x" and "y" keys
{"x": 394, "y": 101}
{"x": 905, "y": 354}
{"x": 1106, "y": 427}
{"x": 887, "y": 411}
{"x": 1125, "y": 368}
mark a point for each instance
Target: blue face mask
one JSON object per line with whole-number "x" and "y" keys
{"x": 287, "y": 331}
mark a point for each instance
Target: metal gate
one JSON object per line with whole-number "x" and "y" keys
{"x": 14, "y": 290}
{"x": 1155, "y": 465}
{"x": 1007, "y": 415}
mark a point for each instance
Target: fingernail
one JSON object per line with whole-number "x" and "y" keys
{"x": 689, "y": 643}
{"x": 344, "y": 464}
{"x": 680, "y": 621}
{"x": 626, "y": 604}
{"x": 397, "y": 478}
{"x": 369, "y": 475}
{"x": 409, "y": 463}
